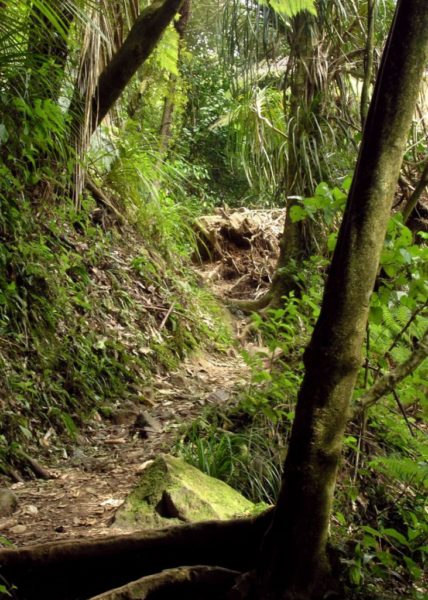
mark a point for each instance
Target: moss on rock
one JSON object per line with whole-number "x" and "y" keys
{"x": 171, "y": 491}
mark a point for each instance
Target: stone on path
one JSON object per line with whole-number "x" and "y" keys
{"x": 8, "y": 502}
{"x": 171, "y": 492}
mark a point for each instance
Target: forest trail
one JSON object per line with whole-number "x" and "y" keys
{"x": 103, "y": 465}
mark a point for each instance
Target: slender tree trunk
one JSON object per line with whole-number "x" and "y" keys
{"x": 295, "y": 563}
{"x": 417, "y": 193}
{"x": 387, "y": 383}
{"x": 169, "y": 101}
{"x": 296, "y": 244}
{"x": 368, "y": 60}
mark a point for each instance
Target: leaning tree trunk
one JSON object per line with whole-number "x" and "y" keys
{"x": 135, "y": 50}
{"x": 139, "y": 44}
{"x": 295, "y": 563}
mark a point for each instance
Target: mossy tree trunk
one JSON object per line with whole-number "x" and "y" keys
{"x": 302, "y": 101}
{"x": 295, "y": 563}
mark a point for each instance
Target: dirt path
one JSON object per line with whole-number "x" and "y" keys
{"x": 94, "y": 478}
{"x": 91, "y": 483}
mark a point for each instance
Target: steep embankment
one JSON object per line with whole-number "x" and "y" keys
{"x": 137, "y": 309}
{"x": 91, "y": 309}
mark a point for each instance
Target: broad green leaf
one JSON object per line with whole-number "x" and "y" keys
{"x": 4, "y": 136}
{"x": 396, "y": 535}
{"x": 322, "y": 189}
{"x": 332, "y": 241}
{"x": 290, "y": 8}
{"x": 297, "y": 213}
{"x": 3, "y": 590}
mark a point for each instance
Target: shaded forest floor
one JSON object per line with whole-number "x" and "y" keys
{"x": 100, "y": 467}
{"x": 104, "y": 465}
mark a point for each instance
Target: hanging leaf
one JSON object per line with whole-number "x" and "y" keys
{"x": 290, "y": 8}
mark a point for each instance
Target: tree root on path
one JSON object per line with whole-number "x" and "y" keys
{"x": 249, "y": 306}
{"x": 78, "y": 570}
{"x": 192, "y": 583}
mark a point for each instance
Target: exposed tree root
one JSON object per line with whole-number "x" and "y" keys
{"x": 192, "y": 583}
{"x": 35, "y": 466}
{"x": 249, "y": 306}
{"x": 82, "y": 569}
{"x": 281, "y": 286}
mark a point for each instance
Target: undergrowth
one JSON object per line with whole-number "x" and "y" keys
{"x": 381, "y": 498}
{"x": 89, "y": 307}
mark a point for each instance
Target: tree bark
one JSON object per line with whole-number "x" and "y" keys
{"x": 297, "y": 238}
{"x": 138, "y": 46}
{"x": 191, "y": 583}
{"x": 81, "y": 569}
{"x": 294, "y": 559}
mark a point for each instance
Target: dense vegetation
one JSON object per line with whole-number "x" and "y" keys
{"x": 230, "y": 104}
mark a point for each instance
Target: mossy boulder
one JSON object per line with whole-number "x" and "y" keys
{"x": 171, "y": 492}
{"x": 8, "y": 502}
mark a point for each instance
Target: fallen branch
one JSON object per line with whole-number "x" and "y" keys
{"x": 39, "y": 471}
{"x": 101, "y": 198}
{"x": 82, "y": 569}
{"x": 249, "y": 306}
{"x": 417, "y": 193}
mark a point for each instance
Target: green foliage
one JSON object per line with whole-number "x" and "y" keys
{"x": 247, "y": 458}
{"x": 87, "y": 310}
{"x": 256, "y": 139}
{"x": 381, "y": 501}
{"x": 326, "y": 203}
{"x": 290, "y": 8}
{"x": 245, "y": 445}
{"x": 202, "y": 143}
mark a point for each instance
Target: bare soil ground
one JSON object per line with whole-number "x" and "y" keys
{"x": 88, "y": 485}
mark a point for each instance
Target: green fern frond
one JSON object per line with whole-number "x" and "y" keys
{"x": 400, "y": 353}
{"x": 403, "y": 469}
{"x": 402, "y": 314}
